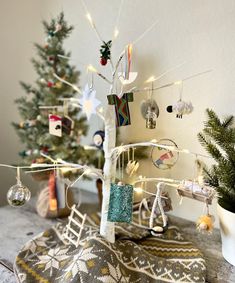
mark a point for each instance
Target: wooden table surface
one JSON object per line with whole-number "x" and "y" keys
{"x": 19, "y": 225}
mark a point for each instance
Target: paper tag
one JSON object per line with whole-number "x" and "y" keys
{"x": 60, "y": 193}
{"x": 55, "y": 125}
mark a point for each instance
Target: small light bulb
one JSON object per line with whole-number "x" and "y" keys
{"x": 91, "y": 69}
{"x": 178, "y": 83}
{"x": 138, "y": 190}
{"x": 150, "y": 80}
{"x": 116, "y": 33}
{"x": 89, "y": 17}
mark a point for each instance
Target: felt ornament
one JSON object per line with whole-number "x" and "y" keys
{"x": 18, "y": 194}
{"x": 98, "y": 138}
{"x": 55, "y": 125}
{"x": 205, "y": 223}
{"x": 121, "y": 108}
{"x": 52, "y": 192}
{"x": 89, "y": 102}
{"x": 180, "y": 108}
{"x": 164, "y": 158}
{"x": 120, "y": 203}
{"x": 150, "y": 112}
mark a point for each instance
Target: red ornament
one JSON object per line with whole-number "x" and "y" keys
{"x": 50, "y": 84}
{"x": 103, "y": 61}
{"x": 51, "y": 58}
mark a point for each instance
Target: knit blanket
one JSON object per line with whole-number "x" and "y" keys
{"x": 136, "y": 256}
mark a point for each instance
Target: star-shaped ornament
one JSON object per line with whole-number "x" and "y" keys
{"x": 89, "y": 102}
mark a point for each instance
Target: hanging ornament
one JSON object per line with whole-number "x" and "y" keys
{"x": 27, "y": 124}
{"x": 55, "y": 125}
{"x": 98, "y": 138}
{"x": 193, "y": 190}
{"x": 164, "y": 158}
{"x": 105, "y": 52}
{"x": 132, "y": 77}
{"x": 58, "y": 27}
{"x": 52, "y": 192}
{"x": 121, "y": 108}
{"x": 75, "y": 226}
{"x": 51, "y": 58}
{"x": 205, "y": 223}
{"x": 120, "y": 203}
{"x": 127, "y": 56}
{"x": 67, "y": 122}
{"x": 89, "y": 102}
{"x": 50, "y": 84}
{"x": 156, "y": 230}
{"x": 150, "y": 110}
{"x": 18, "y": 194}
{"x": 180, "y": 108}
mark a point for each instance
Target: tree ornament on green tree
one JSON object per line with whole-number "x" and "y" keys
{"x": 47, "y": 91}
{"x": 105, "y": 52}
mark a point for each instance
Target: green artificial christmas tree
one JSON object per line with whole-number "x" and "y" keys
{"x": 34, "y": 128}
{"x": 218, "y": 138}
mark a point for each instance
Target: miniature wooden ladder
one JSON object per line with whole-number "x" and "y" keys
{"x": 70, "y": 234}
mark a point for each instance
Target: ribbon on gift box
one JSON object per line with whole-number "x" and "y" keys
{"x": 54, "y": 118}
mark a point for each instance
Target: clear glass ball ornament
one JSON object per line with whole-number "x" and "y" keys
{"x": 18, "y": 195}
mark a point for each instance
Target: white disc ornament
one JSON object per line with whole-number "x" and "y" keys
{"x": 164, "y": 158}
{"x": 150, "y": 112}
{"x": 18, "y": 195}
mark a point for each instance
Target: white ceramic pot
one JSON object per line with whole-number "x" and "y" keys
{"x": 227, "y": 228}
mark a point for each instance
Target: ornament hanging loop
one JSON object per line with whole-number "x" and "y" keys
{"x": 66, "y": 108}
{"x": 181, "y": 86}
{"x": 18, "y": 175}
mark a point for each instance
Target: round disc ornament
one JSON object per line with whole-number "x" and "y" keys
{"x": 164, "y": 158}
{"x": 150, "y": 112}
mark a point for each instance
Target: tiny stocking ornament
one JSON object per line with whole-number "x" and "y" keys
{"x": 18, "y": 194}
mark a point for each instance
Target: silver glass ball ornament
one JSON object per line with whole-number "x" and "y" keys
{"x": 18, "y": 195}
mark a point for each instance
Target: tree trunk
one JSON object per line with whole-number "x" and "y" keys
{"x": 107, "y": 229}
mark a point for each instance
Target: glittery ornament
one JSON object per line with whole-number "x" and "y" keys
{"x": 18, "y": 194}
{"x": 120, "y": 203}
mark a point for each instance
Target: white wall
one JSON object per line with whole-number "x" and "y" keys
{"x": 199, "y": 33}
{"x": 20, "y": 27}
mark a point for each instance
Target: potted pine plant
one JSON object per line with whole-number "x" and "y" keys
{"x": 218, "y": 138}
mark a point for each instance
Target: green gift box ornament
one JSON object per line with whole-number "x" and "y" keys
{"x": 120, "y": 203}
